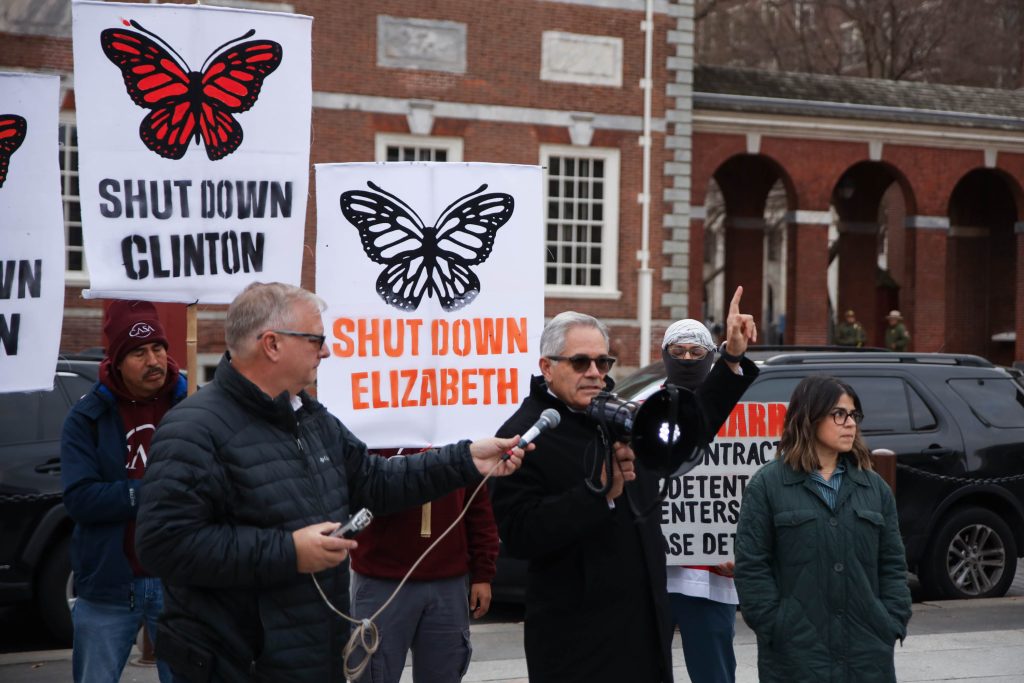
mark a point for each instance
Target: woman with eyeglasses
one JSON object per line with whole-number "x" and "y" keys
{"x": 820, "y": 566}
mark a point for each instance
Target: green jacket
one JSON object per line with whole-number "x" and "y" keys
{"x": 897, "y": 338}
{"x": 825, "y": 592}
{"x": 850, "y": 335}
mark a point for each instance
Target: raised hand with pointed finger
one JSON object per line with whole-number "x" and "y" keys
{"x": 740, "y": 328}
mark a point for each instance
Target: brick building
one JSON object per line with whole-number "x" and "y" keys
{"x": 816, "y": 193}
{"x": 551, "y": 82}
{"x": 827, "y": 193}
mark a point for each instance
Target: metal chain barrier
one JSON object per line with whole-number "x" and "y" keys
{"x": 27, "y": 497}
{"x": 959, "y": 480}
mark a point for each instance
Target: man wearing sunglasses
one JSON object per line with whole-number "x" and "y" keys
{"x": 595, "y": 600}
{"x": 247, "y": 480}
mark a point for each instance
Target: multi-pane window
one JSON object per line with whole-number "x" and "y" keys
{"x": 581, "y": 199}
{"x": 417, "y": 148}
{"x": 74, "y": 246}
{"x": 412, "y": 153}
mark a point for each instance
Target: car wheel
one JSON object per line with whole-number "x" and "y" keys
{"x": 55, "y": 591}
{"x": 973, "y": 554}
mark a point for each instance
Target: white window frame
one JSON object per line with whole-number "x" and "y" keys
{"x": 206, "y": 363}
{"x": 71, "y": 277}
{"x": 453, "y": 146}
{"x": 610, "y": 226}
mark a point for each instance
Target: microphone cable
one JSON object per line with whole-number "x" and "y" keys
{"x": 366, "y": 636}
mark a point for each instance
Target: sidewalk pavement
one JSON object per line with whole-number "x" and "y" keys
{"x": 981, "y": 641}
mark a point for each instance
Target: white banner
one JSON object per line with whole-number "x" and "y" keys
{"x": 433, "y": 274}
{"x": 698, "y": 519}
{"x": 193, "y": 130}
{"x": 31, "y": 232}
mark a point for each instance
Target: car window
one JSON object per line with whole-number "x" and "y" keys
{"x": 885, "y": 404}
{"x": 53, "y": 408}
{"x": 19, "y": 417}
{"x": 635, "y": 385}
{"x": 75, "y": 386}
{"x": 771, "y": 389}
{"x": 921, "y": 416}
{"x": 996, "y": 402}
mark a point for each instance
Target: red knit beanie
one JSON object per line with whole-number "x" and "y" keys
{"x": 128, "y": 325}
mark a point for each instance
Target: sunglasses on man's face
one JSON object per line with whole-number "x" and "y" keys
{"x": 581, "y": 363}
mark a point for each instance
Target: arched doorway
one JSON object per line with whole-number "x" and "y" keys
{"x": 866, "y": 246}
{"x": 981, "y": 266}
{"x": 746, "y": 205}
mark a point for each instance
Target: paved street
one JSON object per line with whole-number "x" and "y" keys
{"x": 981, "y": 641}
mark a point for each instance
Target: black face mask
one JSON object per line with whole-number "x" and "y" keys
{"x": 688, "y": 374}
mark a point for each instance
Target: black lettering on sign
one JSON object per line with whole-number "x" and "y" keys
{"x": 29, "y": 275}
{"x": 9, "y": 333}
{"x": 163, "y": 199}
{"x": 204, "y": 253}
{"x": 142, "y": 198}
{"x": 249, "y": 197}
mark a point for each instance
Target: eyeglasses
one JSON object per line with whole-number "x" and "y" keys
{"x": 839, "y": 416}
{"x": 317, "y": 339}
{"x": 695, "y": 352}
{"x": 581, "y": 363}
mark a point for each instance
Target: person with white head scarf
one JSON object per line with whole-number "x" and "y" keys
{"x": 702, "y": 599}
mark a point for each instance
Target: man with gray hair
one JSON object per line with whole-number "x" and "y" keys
{"x": 595, "y": 599}
{"x": 247, "y": 480}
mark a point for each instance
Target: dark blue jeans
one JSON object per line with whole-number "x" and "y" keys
{"x": 104, "y": 633}
{"x": 707, "y": 629}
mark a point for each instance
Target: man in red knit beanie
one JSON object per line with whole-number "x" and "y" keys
{"x": 104, "y": 450}
{"x": 431, "y": 614}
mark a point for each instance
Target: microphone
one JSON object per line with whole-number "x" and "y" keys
{"x": 548, "y": 419}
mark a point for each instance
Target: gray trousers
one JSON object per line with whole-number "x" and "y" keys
{"x": 429, "y": 617}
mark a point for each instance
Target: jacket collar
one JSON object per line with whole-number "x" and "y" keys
{"x": 277, "y": 410}
{"x": 853, "y": 473}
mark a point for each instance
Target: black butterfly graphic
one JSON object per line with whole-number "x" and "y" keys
{"x": 427, "y": 261}
{"x": 188, "y": 105}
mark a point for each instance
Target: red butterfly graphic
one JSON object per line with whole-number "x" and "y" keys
{"x": 188, "y": 104}
{"x": 12, "y": 134}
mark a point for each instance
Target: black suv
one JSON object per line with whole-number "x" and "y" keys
{"x": 956, "y": 424}
{"x": 36, "y": 530}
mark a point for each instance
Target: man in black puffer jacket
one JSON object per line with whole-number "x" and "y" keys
{"x": 246, "y": 480}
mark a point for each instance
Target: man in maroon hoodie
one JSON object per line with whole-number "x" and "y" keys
{"x": 430, "y": 615}
{"x": 104, "y": 450}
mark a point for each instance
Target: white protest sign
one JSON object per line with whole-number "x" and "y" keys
{"x": 433, "y": 276}
{"x": 193, "y": 130}
{"x": 698, "y": 519}
{"x": 31, "y": 232}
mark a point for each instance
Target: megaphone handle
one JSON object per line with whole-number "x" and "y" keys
{"x": 607, "y": 454}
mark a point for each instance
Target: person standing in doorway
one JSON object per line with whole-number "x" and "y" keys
{"x": 896, "y": 336}
{"x": 849, "y": 332}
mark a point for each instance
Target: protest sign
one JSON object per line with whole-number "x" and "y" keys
{"x": 699, "y": 516}
{"x": 193, "y": 130}
{"x": 31, "y": 232}
{"x": 433, "y": 276}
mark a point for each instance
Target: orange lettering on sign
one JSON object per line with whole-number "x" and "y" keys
{"x": 358, "y": 390}
{"x": 343, "y": 327}
{"x": 776, "y": 418}
{"x": 755, "y": 420}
